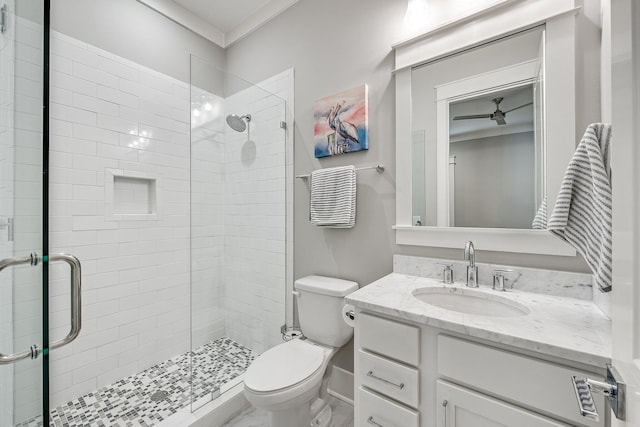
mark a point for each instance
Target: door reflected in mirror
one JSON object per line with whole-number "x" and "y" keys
{"x": 493, "y": 170}
{"x": 478, "y": 148}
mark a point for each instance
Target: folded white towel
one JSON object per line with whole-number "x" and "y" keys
{"x": 333, "y": 197}
{"x": 582, "y": 214}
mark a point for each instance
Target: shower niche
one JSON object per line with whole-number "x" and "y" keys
{"x": 131, "y": 195}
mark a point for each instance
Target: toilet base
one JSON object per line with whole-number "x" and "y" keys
{"x": 298, "y": 416}
{"x": 324, "y": 417}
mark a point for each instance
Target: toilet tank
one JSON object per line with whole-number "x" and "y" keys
{"x": 320, "y": 301}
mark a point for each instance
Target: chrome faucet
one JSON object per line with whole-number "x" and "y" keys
{"x": 472, "y": 270}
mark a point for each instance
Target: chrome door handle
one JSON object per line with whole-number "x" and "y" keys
{"x": 372, "y": 422}
{"x": 3, "y": 18}
{"x": 76, "y": 302}
{"x": 76, "y": 297}
{"x": 614, "y": 389}
{"x": 10, "y": 262}
{"x": 8, "y": 224}
{"x": 34, "y": 351}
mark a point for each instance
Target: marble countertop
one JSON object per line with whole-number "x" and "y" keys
{"x": 562, "y": 327}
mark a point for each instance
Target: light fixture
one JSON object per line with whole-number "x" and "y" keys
{"x": 416, "y": 16}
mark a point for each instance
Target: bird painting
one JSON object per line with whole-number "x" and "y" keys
{"x": 347, "y": 131}
{"x": 341, "y": 123}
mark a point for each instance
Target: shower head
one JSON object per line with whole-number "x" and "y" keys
{"x": 238, "y": 123}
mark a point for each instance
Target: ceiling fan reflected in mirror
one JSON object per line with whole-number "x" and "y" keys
{"x": 498, "y": 115}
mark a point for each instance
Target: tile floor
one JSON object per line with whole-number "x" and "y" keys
{"x": 129, "y": 402}
{"x": 252, "y": 417}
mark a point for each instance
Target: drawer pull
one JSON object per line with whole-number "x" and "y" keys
{"x": 370, "y": 374}
{"x": 372, "y": 422}
{"x": 444, "y": 413}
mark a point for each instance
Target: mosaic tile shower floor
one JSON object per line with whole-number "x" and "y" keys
{"x": 128, "y": 403}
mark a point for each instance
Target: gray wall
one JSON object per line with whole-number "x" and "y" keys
{"x": 335, "y": 45}
{"x": 131, "y": 30}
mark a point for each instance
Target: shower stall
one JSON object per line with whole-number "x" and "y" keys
{"x": 179, "y": 217}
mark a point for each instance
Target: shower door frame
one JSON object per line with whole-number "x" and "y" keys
{"x": 40, "y": 349}
{"x": 45, "y": 209}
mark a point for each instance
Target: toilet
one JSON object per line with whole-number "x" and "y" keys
{"x": 286, "y": 379}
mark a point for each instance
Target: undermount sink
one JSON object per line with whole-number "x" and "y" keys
{"x": 470, "y": 301}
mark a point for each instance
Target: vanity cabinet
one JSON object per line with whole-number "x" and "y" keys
{"x": 417, "y": 375}
{"x": 388, "y": 385}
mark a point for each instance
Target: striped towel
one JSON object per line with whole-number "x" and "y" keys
{"x": 582, "y": 215}
{"x": 333, "y": 197}
{"x": 540, "y": 220}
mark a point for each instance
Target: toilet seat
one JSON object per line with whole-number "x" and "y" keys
{"x": 284, "y": 366}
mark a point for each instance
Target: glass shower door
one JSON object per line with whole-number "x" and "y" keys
{"x": 23, "y": 388}
{"x": 238, "y": 225}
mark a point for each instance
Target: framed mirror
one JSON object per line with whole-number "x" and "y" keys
{"x": 486, "y": 132}
{"x": 487, "y": 127}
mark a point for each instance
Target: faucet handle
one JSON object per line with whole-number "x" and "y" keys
{"x": 447, "y": 273}
{"x": 498, "y": 278}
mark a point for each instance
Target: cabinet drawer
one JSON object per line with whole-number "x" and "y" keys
{"x": 540, "y": 385}
{"x": 393, "y": 339}
{"x": 389, "y": 378}
{"x": 374, "y": 410}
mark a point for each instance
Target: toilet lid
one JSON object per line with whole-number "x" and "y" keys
{"x": 283, "y": 366}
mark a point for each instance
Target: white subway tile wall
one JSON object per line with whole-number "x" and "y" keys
{"x": 207, "y": 219}
{"x": 109, "y": 113}
{"x": 20, "y": 192}
{"x": 255, "y": 219}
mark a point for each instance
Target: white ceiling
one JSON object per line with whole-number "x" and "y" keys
{"x": 221, "y": 21}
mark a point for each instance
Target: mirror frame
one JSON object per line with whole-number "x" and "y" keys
{"x": 509, "y": 17}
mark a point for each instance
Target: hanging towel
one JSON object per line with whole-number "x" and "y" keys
{"x": 333, "y": 197}
{"x": 582, "y": 215}
{"x": 540, "y": 220}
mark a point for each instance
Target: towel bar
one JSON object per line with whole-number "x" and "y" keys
{"x": 378, "y": 168}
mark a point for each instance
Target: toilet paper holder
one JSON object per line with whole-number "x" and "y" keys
{"x": 349, "y": 312}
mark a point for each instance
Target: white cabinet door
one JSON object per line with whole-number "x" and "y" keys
{"x": 460, "y": 407}
{"x": 625, "y": 298}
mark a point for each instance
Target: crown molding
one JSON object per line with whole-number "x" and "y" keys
{"x": 258, "y": 19}
{"x": 195, "y": 23}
